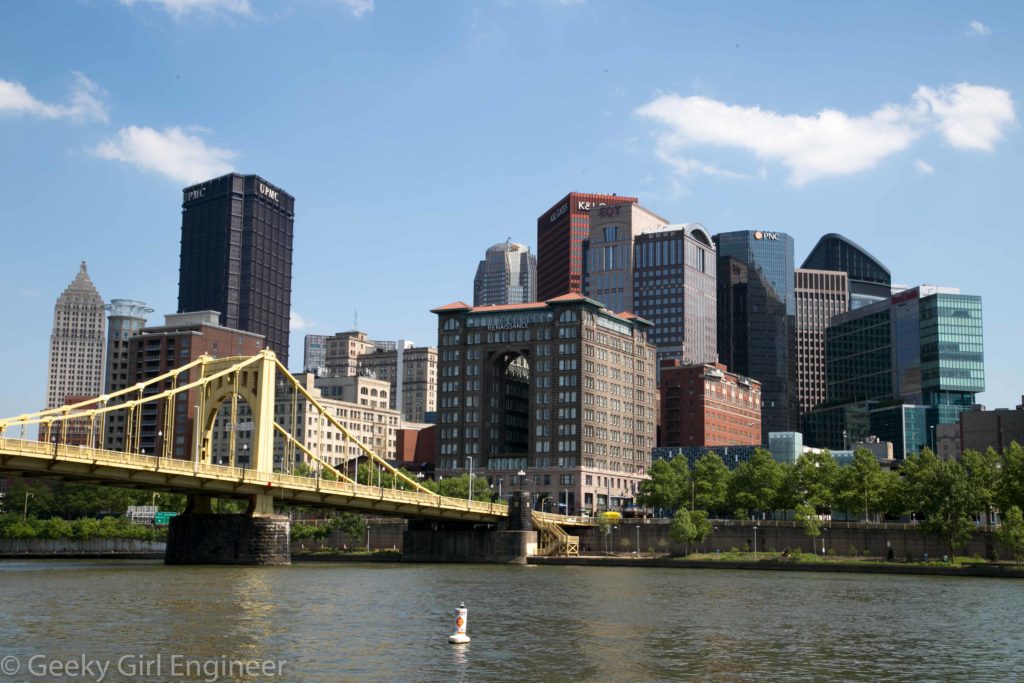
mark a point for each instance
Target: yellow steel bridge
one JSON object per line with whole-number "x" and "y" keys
{"x": 209, "y": 384}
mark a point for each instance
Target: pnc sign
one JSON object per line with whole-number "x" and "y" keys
{"x": 765, "y": 235}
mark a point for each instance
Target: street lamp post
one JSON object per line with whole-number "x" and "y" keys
{"x": 755, "y": 542}
{"x": 245, "y": 456}
{"x": 522, "y": 476}
{"x": 469, "y": 467}
{"x": 24, "y": 514}
{"x": 566, "y": 501}
{"x": 823, "y": 532}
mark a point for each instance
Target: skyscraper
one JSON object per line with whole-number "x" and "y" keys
{"x": 76, "y": 343}
{"x": 675, "y": 287}
{"x": 608, "y": 253}
{"x": 757, "y": 320}
{"x": 898, "y": 368}
{"x": 507, "y": 275}
{"x": 869, "y": 280}
{"x": 561, "y": 231}
{"x": 236, "y": 255}
{"x": 820, "y": 295}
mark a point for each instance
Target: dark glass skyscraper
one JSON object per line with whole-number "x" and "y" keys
{"x": 236, "y": 255}
{"x": 869, "y": 280}
{"x": 757, "y": 320}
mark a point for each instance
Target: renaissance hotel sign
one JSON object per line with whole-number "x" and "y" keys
{"x": 509, "y": 321}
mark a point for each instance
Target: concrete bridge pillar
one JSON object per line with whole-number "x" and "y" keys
{"x": 255, "y": 537}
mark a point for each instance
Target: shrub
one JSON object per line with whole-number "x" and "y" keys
{"x": 852, "y": 552}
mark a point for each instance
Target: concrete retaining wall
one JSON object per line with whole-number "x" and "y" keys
{"x": 78, "y": 546}
{"x": 468, "y": 545}
{"x": 906, "y": 541}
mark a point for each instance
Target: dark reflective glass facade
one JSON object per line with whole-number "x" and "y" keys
{"x": 870, "y": 281}
{"x": 236, "y": 255}
{"x": 757, "y": 320}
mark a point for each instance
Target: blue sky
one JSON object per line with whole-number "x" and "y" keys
{"x": 416, "y": 134}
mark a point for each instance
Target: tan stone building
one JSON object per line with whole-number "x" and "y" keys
{"x": 820, "y": 295}
{"x": 411, "y": 370}
{"x": 76, "y": 343}
{"x": 561, "y": 390}
{"x": 360, "y": 404}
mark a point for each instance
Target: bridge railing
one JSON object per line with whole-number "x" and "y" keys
{"x": 190, "y": 468}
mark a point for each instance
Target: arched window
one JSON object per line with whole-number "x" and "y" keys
{"x": 373, "y": 392}
{"x": 363, "y": 391}
{"x": 451, "y": 324}
{"x": 568, "y": 317}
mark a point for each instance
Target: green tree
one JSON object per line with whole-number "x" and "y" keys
{"x": 682, "y": 528}
{"x": 816, "y": 476}
{"x": 458, "y": 487}
{"x": 668, "y": 486}
{"x": 1010, "y": 489}
{"x": 756, "y": 484}
{"x": 807, "y": 517}
{"x": 861, "y": 484}
{"x": 350, "y": 524}
{"x": 983, "y": 473}
{"x": 701, "y": 525}
{"x": 711, "y": 484}
{"x": 1011, "y": 533}
{"x": 942, "y": 492}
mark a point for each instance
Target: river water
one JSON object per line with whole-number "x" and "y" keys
{"x": 389, "y": 622}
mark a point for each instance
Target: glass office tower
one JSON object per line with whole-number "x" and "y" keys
{"x": 757, "y": 320}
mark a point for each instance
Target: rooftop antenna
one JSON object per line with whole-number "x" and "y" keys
{"x": 355, "y": 318}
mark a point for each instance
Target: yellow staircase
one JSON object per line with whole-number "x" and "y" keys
{"x": 552, "y": 538}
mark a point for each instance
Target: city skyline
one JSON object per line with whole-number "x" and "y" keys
{"x": 933, "y": 198}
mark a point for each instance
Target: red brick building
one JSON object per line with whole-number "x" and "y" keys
{"x": 416, "y": 449}
{"x": 561, "y": 231}
{"x": 706, "y": 405}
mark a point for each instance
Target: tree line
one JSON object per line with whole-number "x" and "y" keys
{"x": 945, "y": 496}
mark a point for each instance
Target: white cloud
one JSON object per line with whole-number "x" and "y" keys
{"x": 923, "y": 168}
{"x": 84, "y": 103}
{"x": 171, "y": 152}
{"x": 358, "y": 7}
{"x": 969, "y": 116}
{"x": 830, "y": 143}
{"x": 976, "y": 28}
{"x": 179, "y": 8}
{"x": 297, "y": 322}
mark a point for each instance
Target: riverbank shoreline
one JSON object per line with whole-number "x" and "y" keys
{"x": 6, "y": 557}
{"x": 973, "y": 570}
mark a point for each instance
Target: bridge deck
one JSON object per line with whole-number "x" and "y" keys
{"x": 80, "y": 463}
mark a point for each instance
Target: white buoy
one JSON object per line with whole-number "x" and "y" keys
{"x": 460, "y": 637}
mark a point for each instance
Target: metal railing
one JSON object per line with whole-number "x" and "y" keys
{"x": 97, "y": 457}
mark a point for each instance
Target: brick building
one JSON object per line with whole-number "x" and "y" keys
{"x": 706, "y": 405}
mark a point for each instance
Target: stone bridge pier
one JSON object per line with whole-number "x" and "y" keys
{"x": 257, "y": 536}
{"x": 509, "y": 542}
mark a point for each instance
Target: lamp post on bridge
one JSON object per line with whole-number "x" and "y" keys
{"x": 159, "y": 451}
